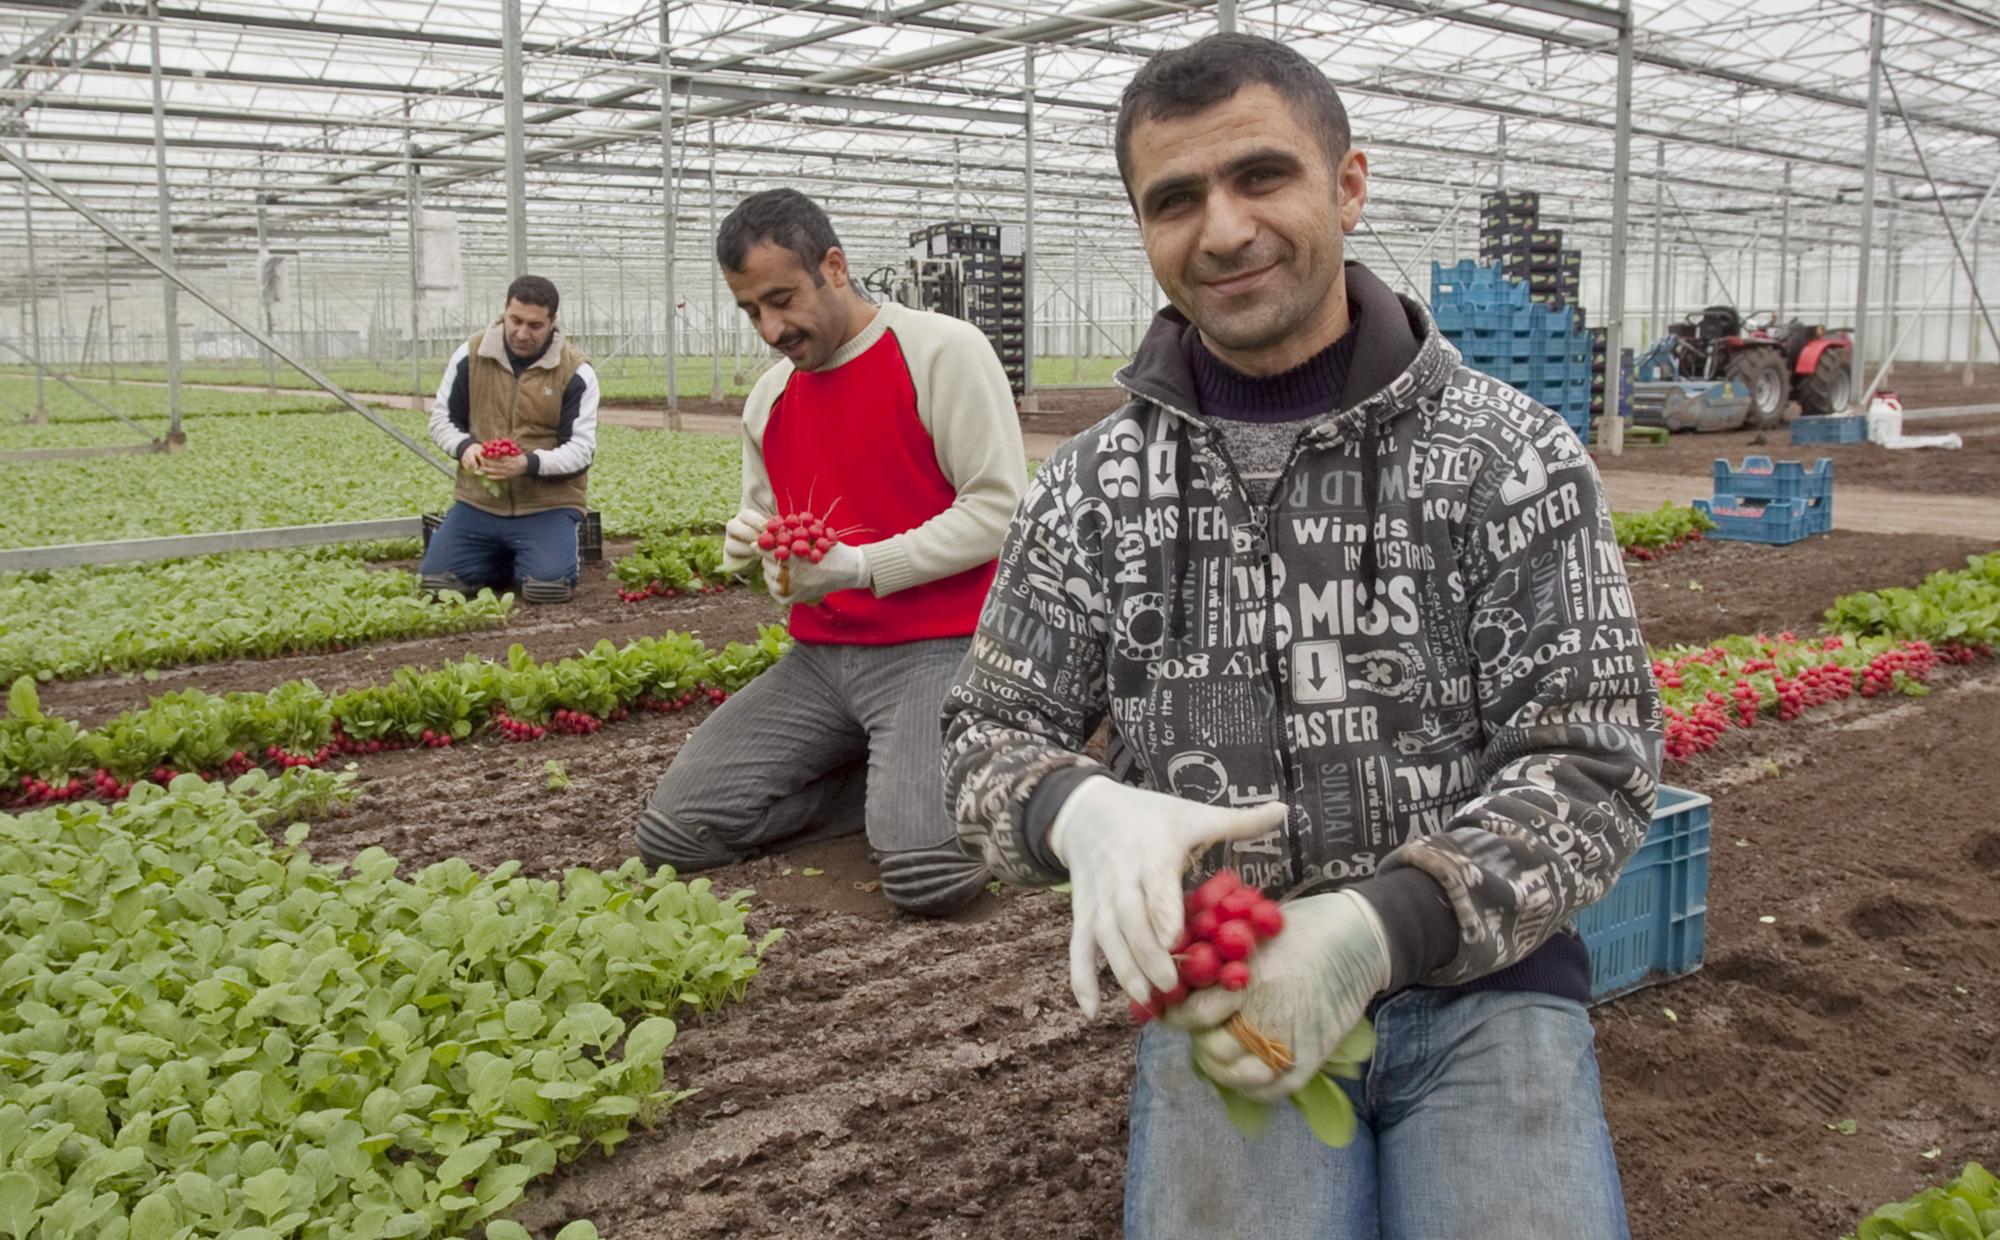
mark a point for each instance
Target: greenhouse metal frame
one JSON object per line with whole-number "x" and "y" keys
{"x": 1830, "y": 160}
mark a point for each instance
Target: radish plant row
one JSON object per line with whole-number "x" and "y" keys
{"x": 56, "y": 625}
{"x": 1648, "y": 535}
{"x": 205, "y": 1035}
{"x": 668, "y": 564}
{"x": 1968, "y": 1208}
{"x": 296, "y": 724}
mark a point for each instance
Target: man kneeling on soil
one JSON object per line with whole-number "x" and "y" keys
{"x": 1361, "y": 631}
{"x": 896, "y": 429}
{"x": 519, "y": 385}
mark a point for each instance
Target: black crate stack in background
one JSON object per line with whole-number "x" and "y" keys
{"x": 1511, "y": 235}
{"x": 973, "y": 272}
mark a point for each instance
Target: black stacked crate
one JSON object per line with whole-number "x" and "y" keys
{"x": 963, "y": 273}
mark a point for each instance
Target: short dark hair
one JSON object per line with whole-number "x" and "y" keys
{"x": 1195, "y": 78}
{"x": 535, "y": 291}
{"x": 784, "y": 217}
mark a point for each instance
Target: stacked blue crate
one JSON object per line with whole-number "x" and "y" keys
{"x": 1539, "y": 351}
{"x": 1800, "y": 499}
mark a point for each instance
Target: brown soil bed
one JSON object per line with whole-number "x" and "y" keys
{"x": 892, "y": 1077}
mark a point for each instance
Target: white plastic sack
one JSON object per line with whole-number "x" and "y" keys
{"x": 1885, "y": 427}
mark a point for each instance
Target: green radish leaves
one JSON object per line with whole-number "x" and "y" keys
{"x": 1324, "y": 1105}
{"x": 207, "y": 1036}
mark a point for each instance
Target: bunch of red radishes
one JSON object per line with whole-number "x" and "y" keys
{"x": 660, "y": 589}
{"x": 575, "y": 722}
{"x": 1914, "y": 659}
{"x": 495, "y": 449}
{"x": 1225, "y": 922}
{"x": 278, "y": 755}
{"x": 37, "y": 791}
{"x": 797, "y": 534}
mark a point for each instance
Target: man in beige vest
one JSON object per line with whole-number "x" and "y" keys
{"x": 514, "y": 518}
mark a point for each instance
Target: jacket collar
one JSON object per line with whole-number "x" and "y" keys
{"x": 493, "y": 344}
{"x": 1398, "y": 356}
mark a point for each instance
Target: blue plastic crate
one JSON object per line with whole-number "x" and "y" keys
{"x": 1449, "y": 316}
{"x": 1775, "y": 522}
{"x": 1824, "y": 429}
{"x": 1650, "y": 928}
{"x": 1761, "y": 478}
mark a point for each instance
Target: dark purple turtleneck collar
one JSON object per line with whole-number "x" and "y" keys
{"x": 1313, "y": 387}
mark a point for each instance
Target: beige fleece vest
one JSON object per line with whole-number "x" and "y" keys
{"x": 527, "y": 410}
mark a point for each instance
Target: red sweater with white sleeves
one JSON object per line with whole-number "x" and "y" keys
{"x": 908, "y": 444}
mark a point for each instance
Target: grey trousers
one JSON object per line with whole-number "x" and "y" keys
{"x": 832, "y": 740}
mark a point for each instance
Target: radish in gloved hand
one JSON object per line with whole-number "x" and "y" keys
{"x": 807, "y": 578}
{"x": 1126, "y": 849}
{"x": 1310, "y": 986}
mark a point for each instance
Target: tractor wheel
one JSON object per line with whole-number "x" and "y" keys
{"x": 1829, "y": 389}
{"x": 1763, "y": 372}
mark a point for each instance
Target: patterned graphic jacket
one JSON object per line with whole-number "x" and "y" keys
{"x": 1424, "y": 644}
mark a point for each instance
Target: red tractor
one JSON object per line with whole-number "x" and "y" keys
{"x": 1769, "y": 363}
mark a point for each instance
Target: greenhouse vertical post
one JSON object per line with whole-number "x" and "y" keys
{"x": 667, "y": 209}
{"x": 1971, "y": 323}
{"x": 1867, "y": 238}
{"x": 517, "y": 139}
{"x": 34, "y": 301}
{"x": 714, "y": 281}
{"x": 1030, "y": 402}
{"x": 110, "y": 341}
{"x": 264, "y": 289}
{"x": 1785, "y": 240}
{"x": 169, "y": 292}
{"x": 1611, "y": 430}
{"x": 1659, "y": 232}
{"x": 413, "y": 190}
{"x": 1225, "y": 16}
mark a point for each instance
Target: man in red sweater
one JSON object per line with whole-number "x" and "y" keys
{"x": 896, "y": 428}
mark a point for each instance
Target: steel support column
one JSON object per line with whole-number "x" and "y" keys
{"x": 41, "y": 413}
{"x": 1785, "y": 240}
{"x": 264, "y": 291}
{"x": 1225, "y": 16}
{"x": 414, "y": 193}
{"x": 1867, "y": 239}
{"x": 169, "y": 293}
{"x": 517, "y": 142}
{"x": 1973, "y": 315}
{"x": 714, "y": 284}
{"x": 1659, "y": 327}
{"x": 1030, "y": 402}
{"x": 668, "y": 208}
{"x": 1611, "y": 429}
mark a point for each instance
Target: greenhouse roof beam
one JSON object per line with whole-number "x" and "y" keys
{"x": 52, "y": 35}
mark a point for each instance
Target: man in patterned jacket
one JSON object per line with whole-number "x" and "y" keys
{"x": 897, "y": 428}
{"x": 1358, "y": 625}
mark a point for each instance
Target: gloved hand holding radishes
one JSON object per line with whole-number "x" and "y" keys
{"x": 1126, "y": 849}
{"x": 1309, "y": 985}
{"x": 802, "y": 581}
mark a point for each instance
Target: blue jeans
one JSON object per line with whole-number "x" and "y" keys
{"x": 481, "y": 549}
{"x": 1480, "y": 1116}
